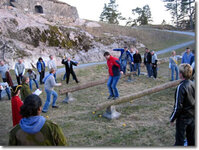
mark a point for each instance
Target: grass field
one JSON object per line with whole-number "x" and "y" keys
{"x": 146, "y": 119}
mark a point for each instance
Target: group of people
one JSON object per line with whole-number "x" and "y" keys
{"x": 26, "y": 106}
{"x": 184, "y": 107}
{"x": 29, "y": 124}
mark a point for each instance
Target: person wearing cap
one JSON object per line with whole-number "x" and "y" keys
{"x": 49, "y": 84}
{"x": 34, "y": 129}
{"x": 52, "y": 65}
{"x": 16, "y": 104}
{"x": 69, "y": 69}
{"x": 41, "y": 69}
{"x": 25, "y": 89}
{"x": 154, "y": 61}
{"x": 124, "y": 58}
{"x": 19, "y": 70}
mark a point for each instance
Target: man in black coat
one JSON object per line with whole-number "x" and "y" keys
{"x": 69, "y": 69}
{"x": 147, "y": 62}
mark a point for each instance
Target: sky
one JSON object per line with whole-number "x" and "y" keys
{"x": 91, "y": 9}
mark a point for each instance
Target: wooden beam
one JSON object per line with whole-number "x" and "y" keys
{"x": 138, "y": 95}
{"x": 89, "y": 84}
{"x": 95, "y": 83}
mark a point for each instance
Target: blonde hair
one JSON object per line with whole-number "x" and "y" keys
{"x": 186, "y": 70}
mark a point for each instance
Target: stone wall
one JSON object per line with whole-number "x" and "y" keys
{"x": 51, "y": 8}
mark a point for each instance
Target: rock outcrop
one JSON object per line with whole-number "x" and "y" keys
{"x": 29, "y": 36}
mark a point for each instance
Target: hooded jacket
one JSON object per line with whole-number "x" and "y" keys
{"x": 37, "y": 131}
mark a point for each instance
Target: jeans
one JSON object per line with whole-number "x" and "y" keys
{"x": 149, "y": 69}
{"x": 8, "y": 93}
{"x": 132, "y": 67}
{"x": 174, "y": 68}
{"x": 48, "y": 98}
{"x": 64, "y": 77}
{"x": 19, "y": 78}
{"x": 123, "y": 64}
{"x": 185, "y": 126}
{"x": 55, "y": 76}
{"x": 30, "y": 83}
{"x": 112, "y": 83}
{"x": 42, "y": 75}
{"x": 154, "y": 71}
{"x": 137, "y": 67}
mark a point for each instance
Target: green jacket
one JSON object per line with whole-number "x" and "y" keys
{"x": 25, "y": 91}
{"x": 50, "y": 135}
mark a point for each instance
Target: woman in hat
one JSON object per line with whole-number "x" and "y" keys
{"x": 16, "y": 104}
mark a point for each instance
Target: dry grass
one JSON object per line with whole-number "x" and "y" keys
{"x": 151, "y": 38}
{"x": 146, "y": 119}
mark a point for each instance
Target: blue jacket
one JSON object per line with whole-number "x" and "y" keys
{"x": 122, "y": 51}
{"x": 39, "y": 66}
{"x": 187, "y": 58}
{"x": 192, "y": 59}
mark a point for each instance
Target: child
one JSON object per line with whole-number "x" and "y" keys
{"x": 25, "y": 90}
{"x": 4, "y": 86}
{"x": 16, "y": 104}
{"x": 32, "y": 77}
{"x": 184, "y": 108}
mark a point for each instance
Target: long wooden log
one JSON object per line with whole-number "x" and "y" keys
{"x": 95, "y": 83}
{"x": 89, "y": 84}
{"x": 138, "y": 95}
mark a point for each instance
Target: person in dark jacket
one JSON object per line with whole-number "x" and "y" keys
{"x": 154, "y": 61}
{"x": 137, "y": 61}
{"x": 147, "y": 62}
{"x": 124, "y": 58}
{"x": 184, "y": 108}
{"x": 69, "y": 69}
{"x": 114, "y": 69}
{"x": 41, "y": 69}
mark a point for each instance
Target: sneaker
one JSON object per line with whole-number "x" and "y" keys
{"x": 115, "y": 98}
{"x": 110, "y": 97}
{"x": 55, "y": 106}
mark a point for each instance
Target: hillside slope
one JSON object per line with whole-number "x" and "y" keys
{"x": 29, "y": 36}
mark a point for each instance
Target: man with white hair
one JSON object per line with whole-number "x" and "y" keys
{"x": 154, "y": 61}
{"x": 52, "y": 65}
{"x": 3, "y": 69}
{"x": 19, "y": 70}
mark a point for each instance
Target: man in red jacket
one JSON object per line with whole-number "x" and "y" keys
{"x": 16, "y": 104}
{"x": 114, "y": 69}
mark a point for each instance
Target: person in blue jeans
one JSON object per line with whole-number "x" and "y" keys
{"x": 124, "y": 58}
{"x": 5, "y": 86}
{"x": 49, "y": 84}
{"x": 114, "y": 69}
{"x": 33, "y": 77}
{"x": 137, "y": 61}
{"x": 173, "y": 65}
{"x": 147, "y": 62}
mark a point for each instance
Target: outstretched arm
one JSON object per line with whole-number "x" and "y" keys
{"x": 118, "y": 49}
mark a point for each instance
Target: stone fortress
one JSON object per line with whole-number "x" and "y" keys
{"x": 49, "y": 8}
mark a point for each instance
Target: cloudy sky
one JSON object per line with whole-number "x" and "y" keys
{"x": 91, "y": 9}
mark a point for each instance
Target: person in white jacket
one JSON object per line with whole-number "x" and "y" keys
{"x": 19, "y": 70}
{"x": 52, "y": 65}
